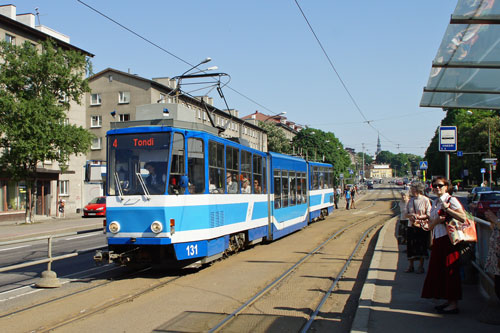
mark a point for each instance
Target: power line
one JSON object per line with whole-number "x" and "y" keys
{"x": 168, "y": 52}
{"x": 368, "y": 122}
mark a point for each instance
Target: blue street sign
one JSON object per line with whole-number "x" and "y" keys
{"x": 423, "y": 165}
{"x": 447, "y": 138}
{"x": 361, "y": 172}
{"x": 483, "y": 170}
{"x": 350, "y": 171}
{"x": 460, "y": 153}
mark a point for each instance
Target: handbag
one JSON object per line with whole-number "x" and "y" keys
{"x": 423, "y": 224}
{"x": 461, "y": 231}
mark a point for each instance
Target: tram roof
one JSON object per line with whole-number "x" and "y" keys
{"x": 466, "y": 70}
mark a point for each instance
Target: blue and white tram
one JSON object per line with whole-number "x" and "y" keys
{"x": 178, "y": 195}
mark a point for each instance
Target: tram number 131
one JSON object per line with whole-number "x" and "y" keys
{"x": 192, "y": 250}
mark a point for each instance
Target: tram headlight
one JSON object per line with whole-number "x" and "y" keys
{"x": 114, "y": 227}
{"x": 156, "y": 227}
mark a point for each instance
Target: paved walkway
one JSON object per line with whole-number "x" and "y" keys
{"x": 390, "y": 300}
{"x": 44, "y": 225}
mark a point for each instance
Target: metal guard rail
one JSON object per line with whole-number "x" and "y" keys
{"x": 53, "y": 279}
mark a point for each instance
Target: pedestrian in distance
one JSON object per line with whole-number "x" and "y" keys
{"x": 443, "y": 275}
{"x": 353, "y": 194}
{"x": 336, "y": 198}
{"x": 347, "y": 194}
{"x": 403, "y": 218}
{"x": 417, "y": 233}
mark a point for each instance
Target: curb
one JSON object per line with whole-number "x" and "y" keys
{"x": 362, "y": 316}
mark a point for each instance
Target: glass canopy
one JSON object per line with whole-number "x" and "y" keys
{"x": 466, "y": 70}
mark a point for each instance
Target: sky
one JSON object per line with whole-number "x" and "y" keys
{"x": 368, "y": 85}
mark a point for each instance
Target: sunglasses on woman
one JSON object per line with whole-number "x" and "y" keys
{"x": 439, "y": 185}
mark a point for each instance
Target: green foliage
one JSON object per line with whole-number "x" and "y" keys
{"x": 367, "y": 158}
{"x": 316, "y": 144}
{"x": 36, "y": 87}
{"x": 402, "y": 164}
{"x": 276, "y": 139}
{"x": 473, "y": 127}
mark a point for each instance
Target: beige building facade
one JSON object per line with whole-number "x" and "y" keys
{"x": 52, "y": 183}
{"x": 380, "y": 171}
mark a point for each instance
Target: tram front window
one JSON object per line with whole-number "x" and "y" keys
{"x": 137, "y": 164}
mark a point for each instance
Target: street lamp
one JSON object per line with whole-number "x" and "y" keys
{"x": 204, "y": 61}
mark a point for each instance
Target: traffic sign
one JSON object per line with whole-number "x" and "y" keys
{"x": 447, "y": 138}
{"x": 489, "y": 160}
{"x": 350, "y": 171}
{"x": 341, "y": 176}
{"x": 483, "y": 170}
{"x": 460, "y": 153}
{"x": 423, "y": 165}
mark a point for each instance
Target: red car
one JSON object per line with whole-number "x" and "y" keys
{"x": 96, "y": 207}
{"x": 483, "y": 201}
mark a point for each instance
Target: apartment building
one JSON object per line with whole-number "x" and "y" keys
{"x": 116, "y": 95}
{"x": 289, "y": 128}
{"x": 52, "y": 183}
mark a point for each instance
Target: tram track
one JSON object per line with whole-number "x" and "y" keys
{"x": 234, "y": 315}
{"x": 146, "y": 287}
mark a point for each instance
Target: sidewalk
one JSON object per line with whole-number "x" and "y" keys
{"x": 390, "y": 300}
{"x": 45, "y": 225}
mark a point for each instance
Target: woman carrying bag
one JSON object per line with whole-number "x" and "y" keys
{"x": 417, "y": 233}
{"x": 443, "y": 275}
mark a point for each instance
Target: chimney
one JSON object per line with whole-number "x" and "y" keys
{"x": 9, "y": 11}
{"x": 28, "y": 19}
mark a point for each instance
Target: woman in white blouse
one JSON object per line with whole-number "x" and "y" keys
{"x": 443, "y": 275}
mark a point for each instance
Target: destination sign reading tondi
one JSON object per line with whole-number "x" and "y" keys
{"x": 132, "y": 141}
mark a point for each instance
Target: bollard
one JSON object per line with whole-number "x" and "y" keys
{"x": 49, "y": 278}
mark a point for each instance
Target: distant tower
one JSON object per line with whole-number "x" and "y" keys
{"x": 379, "y": 147}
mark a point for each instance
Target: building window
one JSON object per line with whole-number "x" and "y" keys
{"x": 10, "y": 39}
{"x": 124, "y": 97}
{"x": 198, "y": 113}
{"x": 95, "y": 121}
{"x": 204, "y": 116}
{"x": 124, "y": 117}
{"x": 96, "y": 144}
{"x": 64, "y": 187}
{"x": 110, "y": 78}
{"x": 95, "y": 99}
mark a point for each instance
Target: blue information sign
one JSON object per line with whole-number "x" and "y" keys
{"x": 447, "y": 138}
{"x": 483, "y": 170}
{"x": 460, "y": 153}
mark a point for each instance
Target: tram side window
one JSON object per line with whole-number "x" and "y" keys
{"x": 304, "y": 187}
{"x": 284, "y": 188}
{"x": 246, "y": 172}
{"x": 257, "y": 174}
{"x": 314, "y": 176}
{"x": 232, "y": 172}
{"x": 293, "y": 188}
{"x": 277, "y": 189}
{"x": 196, "y": 166}
{"x": 177, "y": 166}
{"x": 321, "y": 176}
{"x": 264, "y": 176}
{"x": 216, "y": 173}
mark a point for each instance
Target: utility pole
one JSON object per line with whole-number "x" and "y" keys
{"x": 363, "y": 152}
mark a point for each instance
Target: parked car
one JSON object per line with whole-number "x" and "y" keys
{"x": 96, "y": 207}
{"x": 369, "y": 184}
{"x": 476, "y": 190}
{"x": 483, "y": 201}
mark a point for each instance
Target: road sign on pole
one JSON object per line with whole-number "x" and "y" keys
{"x": 423, "y": 165}
{"x": 447, "y": 138}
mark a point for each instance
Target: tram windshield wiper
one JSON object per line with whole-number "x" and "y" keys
{"x": 118, "y": 186}
{"x": 143, "y": 185}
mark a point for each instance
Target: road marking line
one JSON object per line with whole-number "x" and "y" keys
{"x": 84, "y": 236}
{"x": 14, "y": 248}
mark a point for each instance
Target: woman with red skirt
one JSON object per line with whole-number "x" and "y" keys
{"x": 443, "y": 275}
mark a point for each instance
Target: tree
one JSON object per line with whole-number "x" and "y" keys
{"x": 276, "y": 139}
{"x": 474, "y": 128}
{"x": 36, "y": 88}
{"x": 322, "y": 146}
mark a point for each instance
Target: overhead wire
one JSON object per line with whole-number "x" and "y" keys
{"x": 368, "y": 122}
{"x": 169, "y": 53}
